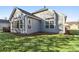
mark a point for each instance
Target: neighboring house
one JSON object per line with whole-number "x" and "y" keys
{"x": 72, "y": 25}
{"x": 43, "y": 20}
{"x": 4, "y": 23}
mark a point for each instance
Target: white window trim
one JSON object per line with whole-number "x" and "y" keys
{"x": 49, "y": 24}
{"x": 45, "y": 24}
{"x": 20, "y": 24}
{"x": 30, "y": 22}
{"x": 53, "y": 24}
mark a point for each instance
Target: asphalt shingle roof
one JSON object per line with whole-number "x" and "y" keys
{"x": 24, "y": 12}
{"x": 41, "y": 10}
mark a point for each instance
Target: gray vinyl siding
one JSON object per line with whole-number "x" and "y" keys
{"x": 61, "y": 23}
{"x": 35, "y": 26}
{"x": 25, "y": 26}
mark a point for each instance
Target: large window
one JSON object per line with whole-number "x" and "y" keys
{"x": 29, "y": 21}
{"x": 21, "y": 24}
{"x": 17, "y": 15}
{"x": 49, "y": 24}
{"x": 29, "y": 26}
{"x": 17, "y": 24}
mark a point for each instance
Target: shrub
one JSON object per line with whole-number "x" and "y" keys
{"x": 74, "y": 32}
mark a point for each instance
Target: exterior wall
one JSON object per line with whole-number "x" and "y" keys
{"x": 35, "y": 26}
{"x": 12, "y": 20}
{"x": 61, "y": 23}
{"x": 4, "y": 25}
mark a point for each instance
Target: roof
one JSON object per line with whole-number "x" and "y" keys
{"x": 45, "y": 9}
{"x": 4, "y": 21}
{"x": 41, "y": 10}
{"x": 23, "y": 12}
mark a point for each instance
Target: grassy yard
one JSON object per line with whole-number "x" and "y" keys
{"x": 55, "y": 43}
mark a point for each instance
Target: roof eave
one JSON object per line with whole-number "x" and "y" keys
{"x": 12, "y": 13}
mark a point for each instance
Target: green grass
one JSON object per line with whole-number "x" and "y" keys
{"x": 45, "y": 43}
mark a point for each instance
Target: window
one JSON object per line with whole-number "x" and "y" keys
{"x": 29, "y": 26}
{"x": 21, "y": 14}
{"x": 51, "y": 24}
{"x": 16, "y": 24}
{"x": 17, "y": 15}
{"x": 47, "y": 24}
{"x": 29, "y": 23}
{"x": 21, "y": 24}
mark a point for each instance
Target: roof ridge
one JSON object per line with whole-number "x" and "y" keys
{"x": 40, "y": 10}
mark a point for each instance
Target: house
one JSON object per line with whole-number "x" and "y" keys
{"x": 4, "y": 23}
{"x": 43, "y": 20}
{"x": 72, "y": 25}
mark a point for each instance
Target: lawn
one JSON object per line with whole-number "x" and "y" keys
{"x": 45, "y": 43}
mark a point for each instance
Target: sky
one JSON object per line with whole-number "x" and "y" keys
{"x": 72, "y": 12}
